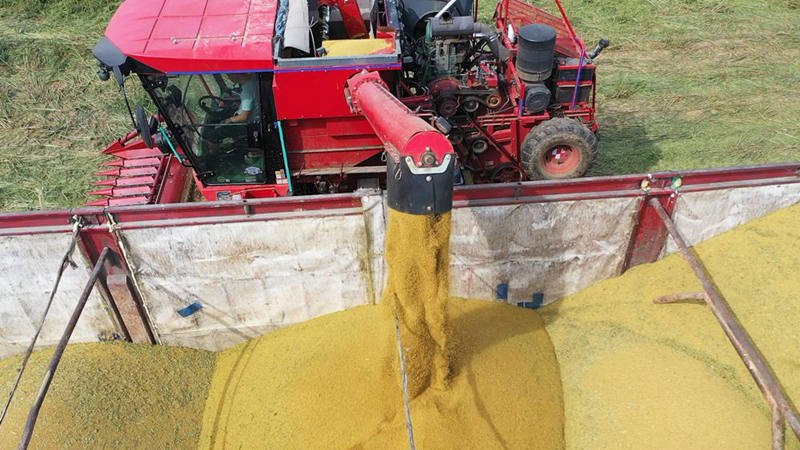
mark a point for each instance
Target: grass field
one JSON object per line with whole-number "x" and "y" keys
{"x": 685, "y": 84}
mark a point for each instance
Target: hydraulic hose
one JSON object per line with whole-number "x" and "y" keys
{"x": 493, "y": 38}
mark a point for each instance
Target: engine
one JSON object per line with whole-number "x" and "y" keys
{"x": 461, "y": 73}
{"x": 458, "y": 63}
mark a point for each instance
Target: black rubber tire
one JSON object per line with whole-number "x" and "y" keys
{"x": 558, "y": 131}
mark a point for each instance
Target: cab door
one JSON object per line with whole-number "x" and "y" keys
{"x": 220, "y": 120}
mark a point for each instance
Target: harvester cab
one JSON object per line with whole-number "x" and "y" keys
{"x": 256, "y": 101}
{"x": 218, "y": 123}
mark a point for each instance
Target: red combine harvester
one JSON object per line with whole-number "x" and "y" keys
{"x": 268, "y": 98}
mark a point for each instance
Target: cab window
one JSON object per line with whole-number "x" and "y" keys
{"x": 218, "y": 117}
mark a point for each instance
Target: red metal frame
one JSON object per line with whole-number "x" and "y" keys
{"x": 575, "y": 38}
{"x": 519, "y": 13}
{"x": 647, "y": 240}
{"x": 241, "y": 191}
{"x": 649, "y": 233}
{"x": 322, "y": 136}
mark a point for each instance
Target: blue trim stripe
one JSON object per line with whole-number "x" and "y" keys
{"x": 327, "y": 68}
{"x": 220, "y": 72}
{"x": 295, "y": 69}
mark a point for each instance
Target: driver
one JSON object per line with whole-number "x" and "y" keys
{"x": 248, "y": 106}
{"x": 228, "y": 137}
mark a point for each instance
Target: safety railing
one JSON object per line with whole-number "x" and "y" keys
{"x": 781, "y": 407}
{"x": 33, "y": 415}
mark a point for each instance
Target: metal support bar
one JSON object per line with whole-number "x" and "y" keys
{"x": 755, "y": 362}
{"x": 681, "y": 298}
{"x": 65, "y": 261}
{"x": 27, "y": 433}
{"x": 131, "y": 315}
{"x": 649, "y": 235}
{"x": 778, "y": 429}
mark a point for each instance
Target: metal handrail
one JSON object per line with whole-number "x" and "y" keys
{"x": 580, "y": 46}
{"x": 65, "y": 262}
{"x": 27, "y": 433}
{"x": 781, "y": 407}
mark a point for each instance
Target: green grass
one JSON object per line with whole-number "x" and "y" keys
{"x": 694, "y": 83}
{"x": 55, "y": 114}
{"x": 685, "y": 84}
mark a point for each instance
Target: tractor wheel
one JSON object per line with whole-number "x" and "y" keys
{"x": 558, "y": 148}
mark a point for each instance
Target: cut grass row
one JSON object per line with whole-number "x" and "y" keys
{"x": 685, "y": 84}
{"x": 55, "y": 115}
{"x": 695, "y": 83}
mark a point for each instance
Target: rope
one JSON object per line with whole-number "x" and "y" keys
{"x": 65, "y": 261}
{"x": 409, "y": 427}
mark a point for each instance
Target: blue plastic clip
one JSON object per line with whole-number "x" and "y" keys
{"x": 191, "y": 309}
{"x": 502, "y": 291}
{"x": 538, "y": 299}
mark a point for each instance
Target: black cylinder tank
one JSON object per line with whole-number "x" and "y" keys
{"x": 535, "y": 52}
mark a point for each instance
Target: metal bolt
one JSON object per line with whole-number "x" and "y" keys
{"x": 428, "y": 159}
{"x": 428, "y": 178}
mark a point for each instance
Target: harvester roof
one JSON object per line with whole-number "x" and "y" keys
{"x": 179, "y": 36}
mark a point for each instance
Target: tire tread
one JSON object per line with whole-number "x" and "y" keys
{"x": 536, "y": 141}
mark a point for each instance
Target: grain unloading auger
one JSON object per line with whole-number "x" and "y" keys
{"x": 419, "y": 159}
{"x": 419, "y": 165}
